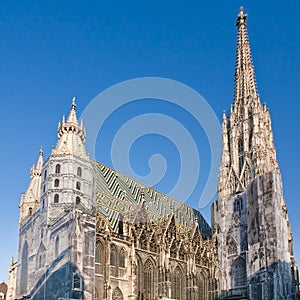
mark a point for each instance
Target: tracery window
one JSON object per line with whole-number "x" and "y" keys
{"x": 122, "y": 257}
{"x": 99, "y": 257}
{"x": 113, "y": 256}
{"x": 201, "y": 283}
{"x": 117, "y": 294}
{"x": 149, "y": 280}
{"x": 57, "y": 169}
{"x": 177, "y": 284}
{"x": 238, "y": 272}
{"x": 232, "y": 248}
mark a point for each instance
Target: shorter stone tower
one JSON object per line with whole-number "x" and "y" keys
{"x": 57, "y": 221}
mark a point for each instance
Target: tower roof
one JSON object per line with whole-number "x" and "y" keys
{"x": 245, "y": 82}
{"x": 71, "y": 135}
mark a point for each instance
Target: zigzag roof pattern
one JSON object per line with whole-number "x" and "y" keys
{"x": 119, "y": 196}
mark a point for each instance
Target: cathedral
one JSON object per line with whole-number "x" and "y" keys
{"x": 87, "y": 231}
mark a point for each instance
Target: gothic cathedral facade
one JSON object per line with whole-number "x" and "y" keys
{"x": 89, "y": 232}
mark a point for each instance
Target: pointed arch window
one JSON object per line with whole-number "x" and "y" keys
{"x": 241, "y": 155}
{"x": 56, "y": 183}
{"x": 56, "y": 198}
{"x": 30, "y": 211}
{"x": 238, "y": 272}
{"x": 77, "y": 200}
{"x": 232, "y": 248}
{"x": 149, "y": 280}
{"x": 117, "y": 294}
{"x": 122, "y": 257}
{"x": 79, "y": 172}
{"x": 57, "y": 169}
{"x": 113, "y": 256}
{"x": 99, "y": 257}
{"x": 177, "y": 284}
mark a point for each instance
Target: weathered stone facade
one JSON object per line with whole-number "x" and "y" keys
{"x": 250, "y": 216}
{"x": 89, "y": 232}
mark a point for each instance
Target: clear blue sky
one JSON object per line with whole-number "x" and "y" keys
{"x": 51, "y": 51}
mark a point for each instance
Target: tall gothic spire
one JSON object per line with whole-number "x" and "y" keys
{"x": 71, "y": 135}
{"x": 247, "y": 132}
{"x": 245, "y": 83}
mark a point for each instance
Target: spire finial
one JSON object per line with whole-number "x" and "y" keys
{"x": 241, "y": 17}
{"x": 73, "y": 103}
{"x": 41, "y": 150}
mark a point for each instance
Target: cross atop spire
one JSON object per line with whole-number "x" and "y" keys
{"x": 245, "y": 82}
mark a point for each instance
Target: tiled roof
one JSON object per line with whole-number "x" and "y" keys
{"x": 118, "y": 194}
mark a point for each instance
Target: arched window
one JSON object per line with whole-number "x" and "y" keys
{"x": 177, "y": 284}
{"x": 42, "y": 233}
{"x": 79, "y": 172}
{"x": 149, "y": 280}
{"x": 238, "y": 272}
{"x": 201, "y": 284}
{"x": 57, "y": 246}
{"x": 122, "y": 258}
{"x": 77, "y": 200}
{"x": 117, "y": 294}
{"x": 99, "y": 257}
{"x": 113, "y": 256}
{"x": 57, "y": 169}
{"x": 30, "y": 211}
{"x": 241, "y": 155}
{"x": 45, "y": 174}
{"x": 56, "y": 183}
{"x": 24, "y": 269}
{"x": 232, "y": 248}
{"x": 78, "y": 185}
{"x": 77, "y": 283}
{"x": 238, "y": 204}
{"x": 56, "y": 198}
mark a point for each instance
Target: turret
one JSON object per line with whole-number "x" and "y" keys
{"x": 31, "y": 199}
